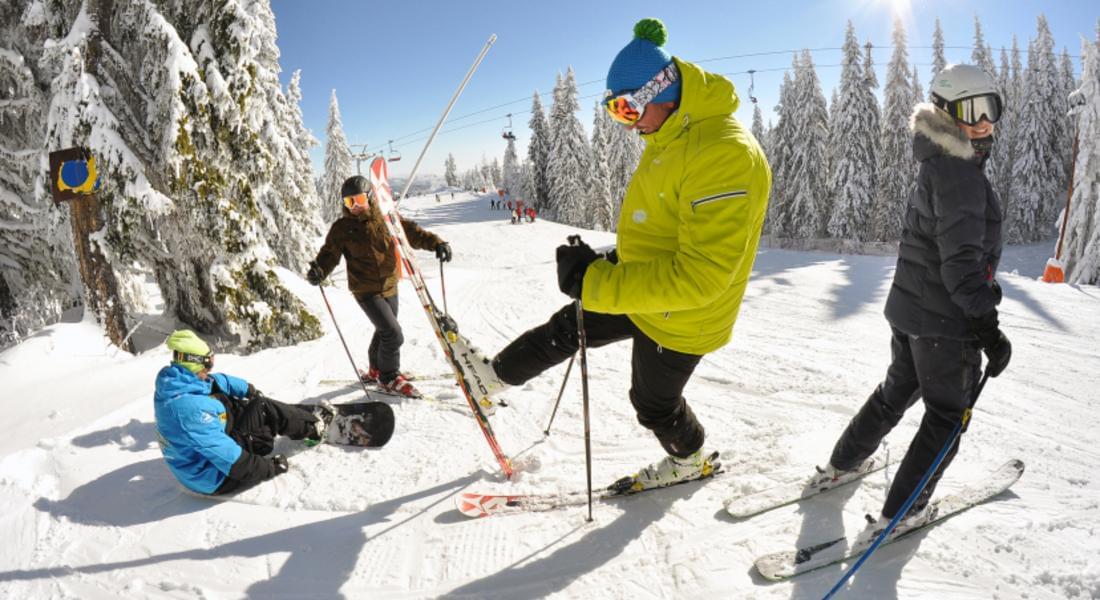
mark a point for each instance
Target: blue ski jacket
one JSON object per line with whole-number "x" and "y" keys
{"x": 191, "y": 426}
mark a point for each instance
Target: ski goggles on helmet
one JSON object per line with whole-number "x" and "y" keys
{"x": 206, "y": 360}
{"x": 972, "y": 110}
{"x": 361, "y": 199}
{"x": 628, "y": 108}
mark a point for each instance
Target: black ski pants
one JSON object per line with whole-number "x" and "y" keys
{"x": 384, "y": 352}
{"x": 253, "y": 424}
{"x": 941, "y": 370}
{"x": 658, "y": 375}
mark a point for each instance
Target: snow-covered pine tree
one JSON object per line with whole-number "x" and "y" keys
{"x": 495, "y": 173}
{"x": 1069, "y": 82}
{"x": 303, "y": 138}
{"x": 510, "y": 174}
{"x": 538, "y": 153}
{"x": 570, "y": 157}
{"x": 808, "y": 194}
{"x": 853, "y": 145}
{"x": 757, "y": 123}
{"x": 196, "y": 142}
{"x": 939, "y": 61}
{"x": 450, "y": 171}
{"x": 339, "y": 164}
{"x": 779, "y": 152}
{"x": 601, "y": 210}
{"x": 897, "y": 175}
{"x": 1036, "y": 170}
{"x": 1081, "y": 250}
{"x": 1054, "y": 99}
{"x": 980, "y": 55}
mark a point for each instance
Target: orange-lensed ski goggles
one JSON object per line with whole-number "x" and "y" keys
{"x": 362, "y": 200}
{"x": 627, "y": 108}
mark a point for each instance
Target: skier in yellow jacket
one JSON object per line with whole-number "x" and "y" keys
{"x": 687, "y": 237}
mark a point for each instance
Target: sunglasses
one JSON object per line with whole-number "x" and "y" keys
{"x": 972, "y": 110}
{"x": 627, "y": 108}
{"x": 207, "y": 361}
{"x": 362, "y": 200}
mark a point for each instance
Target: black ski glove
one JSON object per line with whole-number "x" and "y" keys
{"x": 573, "y": 261}
{"x": 443, "y": 252}
{"x": 612, "y": 256}
{"x": 279, "y": 465}
{"x": 996, "y": 287}
{"x": 315, "y": 274}
{"x": 997, "y": 348}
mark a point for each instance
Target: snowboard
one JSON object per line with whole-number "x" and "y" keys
{"x": 366, "y": 424}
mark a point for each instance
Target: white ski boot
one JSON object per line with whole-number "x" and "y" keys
{"x": 911, "y": 521}
{"x": 672, "y": 470}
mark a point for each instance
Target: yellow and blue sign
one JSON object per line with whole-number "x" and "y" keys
{"x": 73, "y": 173}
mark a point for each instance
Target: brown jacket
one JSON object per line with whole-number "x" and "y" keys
{"x": 369, "y": 251}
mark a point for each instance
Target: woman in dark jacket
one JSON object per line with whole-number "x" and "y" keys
{"x": 360, "y": 237}
{"x": 942, "y": 304}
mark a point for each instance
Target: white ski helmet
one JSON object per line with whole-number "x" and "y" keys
{"x": 967, "y": 93}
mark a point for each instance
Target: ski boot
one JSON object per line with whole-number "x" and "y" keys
{"x": 669, "y": 471}
{"x": 371, "y": 376}
{"x": 830, "y": 476}
{"x": 400, "y": 385}
{"x": 916, "y": 517}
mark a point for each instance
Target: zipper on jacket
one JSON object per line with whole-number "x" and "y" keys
{"x": 716, "y": 197}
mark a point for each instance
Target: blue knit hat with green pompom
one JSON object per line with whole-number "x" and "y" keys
{"x": 641, "y": 59}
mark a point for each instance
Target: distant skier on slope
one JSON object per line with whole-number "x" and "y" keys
{"x": 360, "y": 237}
{"x": 942, "y": 304}
{"x": 687, "y": 239}
{"x": 216, "y": 431}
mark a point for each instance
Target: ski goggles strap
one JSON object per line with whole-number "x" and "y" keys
{"x": 972, "y": 110}
{"x": 628, "y": 108}
{"x": 207, "y": 361}
{"x": 361, "y": 199}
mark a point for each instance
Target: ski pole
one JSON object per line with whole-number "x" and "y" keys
{"x": 443, "y": 286}
{"x": 581, "y": 338}
{"x": 443, "y": 117}
{"x": 341, "y": 334}
{"x": 560, "y": 392}
{"x": 960, "y": 427}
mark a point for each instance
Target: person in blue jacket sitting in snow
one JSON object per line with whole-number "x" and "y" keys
{"x": 215, "y": 430}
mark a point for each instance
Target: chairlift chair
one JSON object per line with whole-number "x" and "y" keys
{"x": 395, "y": 155}
{"x": 506, "y": 133}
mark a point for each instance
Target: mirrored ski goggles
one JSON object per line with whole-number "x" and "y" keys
{"x": 207, "y": 361}
{"x": 972, "y": 110}
{"x": 362, "y": 200}
{"x": 628, "y": 108}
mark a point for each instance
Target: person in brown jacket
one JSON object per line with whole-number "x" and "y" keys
{"x": 360, "y": 236}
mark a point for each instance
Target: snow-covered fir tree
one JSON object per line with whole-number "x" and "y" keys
{"x": 510, "y": 174}
{"x": 303, "y": 138}
{"x": 496, "y": 175}
{"x": 1068, "y": 80}
{"x": 600, "y": 206}
{"x": 570, "y": 157}
{"x": 538, "y": 153}
{"x": 1037, "y": 168}
{"x": 854, "y": 158}
{"x": 757, "y": 123}
{"x": 339, "y": 164}
{"x": 1051, "y": 92}
{"x": 1000, "y": 161}
{"x": 779, "y": 152}
{"x": 897, "y": 173}
{"x": 450, "y": 171}
{"x": 980, "y": 55}
{"x": 939, "y": 61}
{"x": 808, "y": 194}
{"x": 627, "y": 151}
{"x": 1081, "y": 249}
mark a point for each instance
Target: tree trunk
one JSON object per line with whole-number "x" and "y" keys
{"x": 100, "y": 285}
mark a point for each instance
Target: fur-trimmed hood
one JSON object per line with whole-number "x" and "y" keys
{"x": 938, "y": 134}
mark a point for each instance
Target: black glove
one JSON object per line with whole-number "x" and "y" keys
{"x": 443, "y": 252}
{"x": 315, "y": 274}
{"x": 997, "y": 348}
{"x": 573, "y": 261}
{"x": 612, "y": 256}
{"x": 996, "y": 287}
{"x": 279, "y": 465}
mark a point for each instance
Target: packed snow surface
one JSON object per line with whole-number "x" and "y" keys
{"x": 88, "y": 510}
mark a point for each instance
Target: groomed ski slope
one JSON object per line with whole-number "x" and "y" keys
{"x": 88, "y": 511}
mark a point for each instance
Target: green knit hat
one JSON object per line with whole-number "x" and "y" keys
{"x": 189, "y": 351}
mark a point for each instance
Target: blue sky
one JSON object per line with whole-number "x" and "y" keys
{"x": 394, "y": 65}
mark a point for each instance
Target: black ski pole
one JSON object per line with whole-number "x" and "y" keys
{"x": 584, "y": 396}
{"x": 341, "y": 334}
{"x": 443, "y": 286}
{"x": 560, "y": 392}
{"x": 960, "y": 427}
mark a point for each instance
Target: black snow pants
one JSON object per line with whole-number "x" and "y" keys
{"x": 658, "y": 375}
{"x": 941, "y": 370}
{"x": 384, "y": 352}
{"x": 253, "y": 424}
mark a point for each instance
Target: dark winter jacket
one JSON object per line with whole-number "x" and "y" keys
{"x": 191, "y": 427}
{"x": 951, "y": 241}
{"x": 370, "y": 253}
